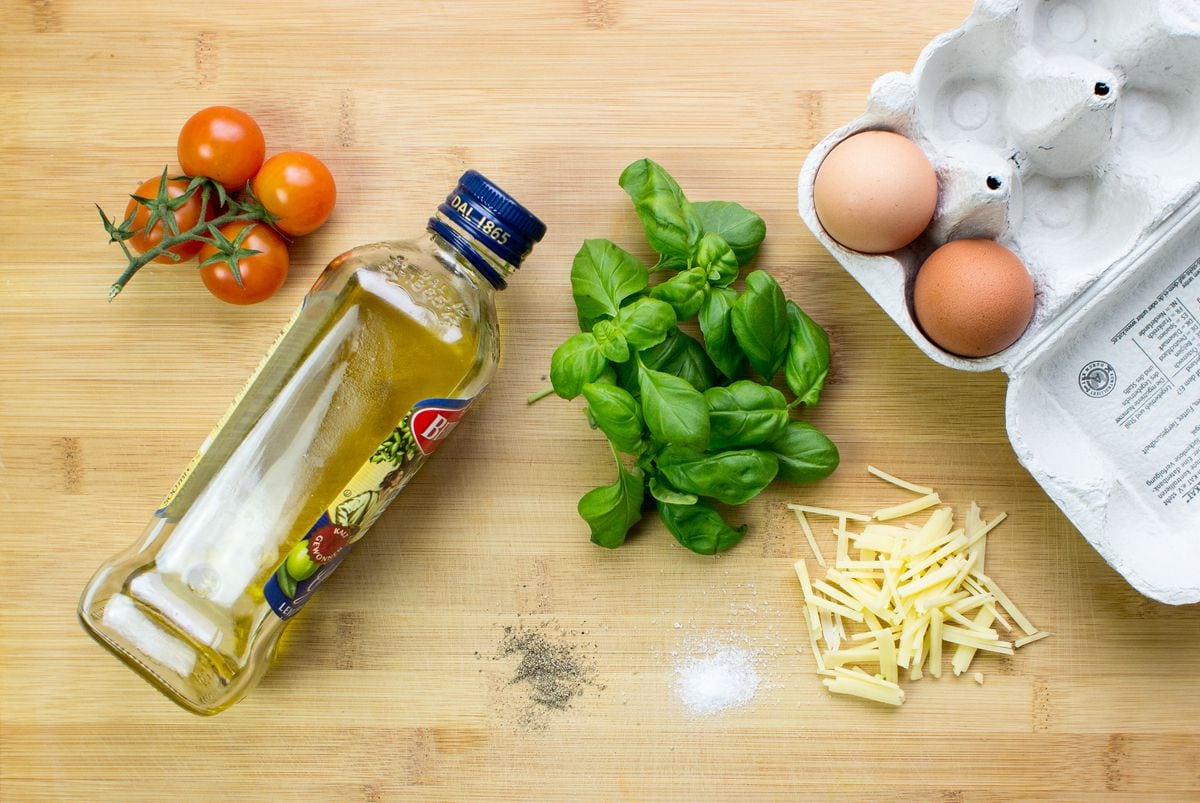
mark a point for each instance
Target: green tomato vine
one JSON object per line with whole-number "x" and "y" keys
{"x": 161, "y": 211}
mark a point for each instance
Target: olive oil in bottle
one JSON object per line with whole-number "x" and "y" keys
{"x": 389, "y": 349}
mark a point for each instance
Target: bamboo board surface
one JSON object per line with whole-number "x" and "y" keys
{"x": 389, "y": 685}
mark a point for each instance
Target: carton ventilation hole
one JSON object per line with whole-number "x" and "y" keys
{"x": 993, "y": 183}
{"x": 1101, "y": 89}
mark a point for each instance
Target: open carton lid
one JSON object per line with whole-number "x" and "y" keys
{"x": 1105, "y": 414}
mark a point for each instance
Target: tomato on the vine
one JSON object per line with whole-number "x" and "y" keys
{"x": 222, "y": 143}
{"x": 298, "y": 188}
{"x": 186, "y": 217}
{"x": 262, "y": 273}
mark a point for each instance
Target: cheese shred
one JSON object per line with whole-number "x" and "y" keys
{"x": 808, "y": 534}
{"x": 915, "y": 596}
{"x": 894, "y": 480}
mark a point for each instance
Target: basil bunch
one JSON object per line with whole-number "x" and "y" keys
{"x": 696, "y": 428}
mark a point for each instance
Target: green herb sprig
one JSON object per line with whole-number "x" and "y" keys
{"x": 694, "y": 425}
{"x": 399, "y": 445}
{"x": 162, "y": 209}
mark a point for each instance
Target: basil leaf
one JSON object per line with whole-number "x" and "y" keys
{"x": 737, "y": 225}
{"x": 627, "y": 377}
{"x": 684, "y": 292}
{"x": 617, "y": 413}
{"x": 665, "y": 493}
{"x": 680, "y": 354}
{"x": 575, "y": 363}
{"x": 645, "y": 460}
{"x": 607, "y": 377}
{"x": 760, "y": 323}
{"x": 694, "y": 365}
{"x": 804, "y": 453}
{"x": 699, "y": 527}
{"x": 602, "y": 276}
{"x": 675, "y": 411}
{"x": 611, "y": 510}
{"x": 744, "y": 414}
{"x": 717, "y": 259}
{"x": 672, "y": 225}
{"x": 731, "y": 477}
{"x": 807, "y": 362}
{"x": 717, "y": 327}
{"x": 611, "y": 341}
{"x": 646, "y": 322}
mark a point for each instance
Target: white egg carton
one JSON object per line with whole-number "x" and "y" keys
{"x": 1069, "y": 131}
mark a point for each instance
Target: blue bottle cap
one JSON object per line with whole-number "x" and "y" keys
{"x": 493, "y": 218}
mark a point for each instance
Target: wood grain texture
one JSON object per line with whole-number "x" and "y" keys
{"x": 387, "y": 688}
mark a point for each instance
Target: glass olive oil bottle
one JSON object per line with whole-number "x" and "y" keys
{"x": 389, "y": 349}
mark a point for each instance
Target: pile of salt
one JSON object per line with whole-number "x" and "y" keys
{"x": 724, "y": 677}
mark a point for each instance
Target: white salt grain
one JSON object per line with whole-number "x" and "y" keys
{"x": 723, "y": 678}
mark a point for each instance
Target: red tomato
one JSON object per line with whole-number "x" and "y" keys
{"x": 222, "y": 143}
{"x": 262, "y": 273}
{"x": 297, "y": 187}
{"x": 186, "y": 217}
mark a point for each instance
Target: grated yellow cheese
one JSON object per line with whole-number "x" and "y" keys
{"x": 964, "y": 654}
{"x": 875, "y": 541}
{"x": 894, "y": 480}
{"x": 853, "y": 655}
{"x": 935, "y": 642}
{"x": 885, "y": 641}
{"x": 808, "y": 533}
{"x": 830, "y": 606}
{"x": 814, "y": 624}
{"x": 908, "y": 508}
{"x": 1007, "y": 604}
{"x": 1021, "y": 642}
{"x": 980, "y": 641}
{"x": 913, "y": 589}
{"x": 843, "y": 544}
{"x": 838, "y": 595}
{"x": 824, "y": 511}
{"x": 860, "y": 684}
{"x": 832, "y": 639}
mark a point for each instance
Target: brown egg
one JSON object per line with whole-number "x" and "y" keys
{"x": 973, "y": 298}
{"x": 875, "y": 192}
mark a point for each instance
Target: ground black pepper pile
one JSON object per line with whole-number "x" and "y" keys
{"x": 550, "y": 672}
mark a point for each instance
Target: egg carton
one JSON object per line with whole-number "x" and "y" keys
{"x": 1067, "y": 130}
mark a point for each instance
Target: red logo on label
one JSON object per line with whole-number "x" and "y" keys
{"x": 430, "y": 426}
{"x": 326, "y": 542}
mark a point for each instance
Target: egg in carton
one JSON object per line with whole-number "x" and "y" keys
{"x": 1066, "y": 131}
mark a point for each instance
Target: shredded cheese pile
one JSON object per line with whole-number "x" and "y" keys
{"x": 899, "y": 597}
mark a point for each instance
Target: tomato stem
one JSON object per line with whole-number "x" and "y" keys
{"x": 162, "y": 210}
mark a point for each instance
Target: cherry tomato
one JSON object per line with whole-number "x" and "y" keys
{"x": 222, "y": 143}
{"x": 297, "y": 187}
{"x": 186, "y": 217}
{"x": 262, "y": 273}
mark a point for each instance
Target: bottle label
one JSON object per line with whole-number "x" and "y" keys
{"x": 369, "y": 492}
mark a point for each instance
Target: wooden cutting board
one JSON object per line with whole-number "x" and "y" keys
{"x": 391, "y": 686}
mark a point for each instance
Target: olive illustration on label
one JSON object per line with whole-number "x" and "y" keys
{"x": 286, "y": 583}
{"x": 299, "y": 565}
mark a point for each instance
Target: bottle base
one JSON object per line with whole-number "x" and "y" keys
{"x": 147, "y": 642}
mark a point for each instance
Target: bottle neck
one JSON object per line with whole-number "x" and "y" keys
{"x": 449, "y": 235}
